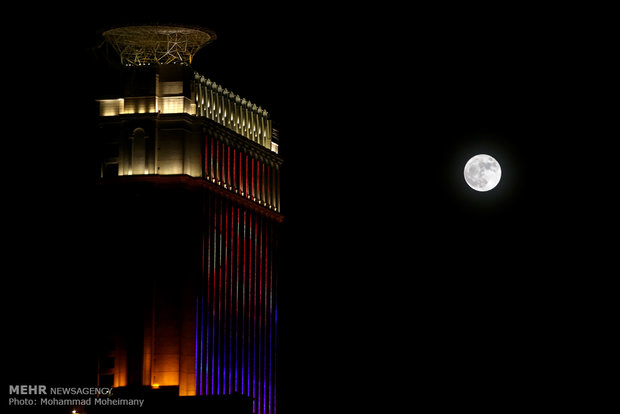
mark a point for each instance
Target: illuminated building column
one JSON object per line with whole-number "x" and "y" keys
{"x": 226, "y": 106}
{"x": 237, "y": 127}
{"x": 263, "y": 128}
{"x": 250, "y": 121}
{"x": 232, "y": 115}
{"x": 269, "y": 126}
{"x": 244, "y": 117}
{"x": 254, "y": 124}
{"x": 218, "y": 104}
{"x": 209, "y": 95}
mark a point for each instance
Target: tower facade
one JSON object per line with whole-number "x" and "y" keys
{"x": 189, "y": 207}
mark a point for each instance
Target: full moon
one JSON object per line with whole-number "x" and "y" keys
{"x": 482, "y": 172}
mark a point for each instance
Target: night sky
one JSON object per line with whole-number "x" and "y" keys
{"x": 398, "y": 282}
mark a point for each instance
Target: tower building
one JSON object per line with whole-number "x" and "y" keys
{"x": 188, "y": 203}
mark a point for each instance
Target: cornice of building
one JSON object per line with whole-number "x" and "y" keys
{"x": 189, "y": 183}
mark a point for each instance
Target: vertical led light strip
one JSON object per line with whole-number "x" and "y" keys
{"x": 243, "y": 340}
{"x": 267, "y": 325}
{"x": 209, "y": 344}
{"x": 240, "y": 172}
{"x": 198, "y": 345}
{"x": 275, "y": 331}
{"x": 262, "y": 320}
{"x": 228, "y": 163}
{"x": 199, "y": 304}
{"x": 217, "y": 161}
{"x": 211, "y": 158}
{"x": 208, "y": 156}
{"x": 230, "y": 257}
{"x": 224, "y": 264}
{"x": 246, "y": 177}
{"x": 249, "y": 302}
{"x": 213, "y": 298}
{"x": 205, "y": 159}
{"x": 259, "y": 308}
{"x": 220, "y": 353}
{"x": 254, "y": 339}
{"x": 271, "y": 338}
{"x": 237, "y": 305}
{"x": 268, "y": 184}
{"x": 262, "y": 182}
{"x": 209, "y": 367}
{"x": 253, "y": 178}
{"x": 235, "y": 181}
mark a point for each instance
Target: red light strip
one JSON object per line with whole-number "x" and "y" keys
{"x": 230, "y": 293}
{"x": 262, "y": 182}
{"x": 246, "y": 176}
{"x": 269, "y": 276}
{"x": 249, "y": 301}
{"x": 228, "y": 180}
{"x": 259, "y": 309}
{"x": 267, "y": 326}
{"x": 217, "y": 161}
{"x": 254, "y": 232}
{"x": 235, "y": 183}
{"x": 224, "y": 264}
{"x": 212, "y": 319}
{"x": 253, "y": 179}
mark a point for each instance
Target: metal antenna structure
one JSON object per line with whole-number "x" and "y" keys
{"x": 147, "y": 45}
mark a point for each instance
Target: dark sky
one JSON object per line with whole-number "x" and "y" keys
{"x": 397, "y": 281}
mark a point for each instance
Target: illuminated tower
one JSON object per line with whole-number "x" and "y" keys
{"x": 189, "y": 198}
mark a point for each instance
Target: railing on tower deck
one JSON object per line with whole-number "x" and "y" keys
{"x": 229, "y": 109}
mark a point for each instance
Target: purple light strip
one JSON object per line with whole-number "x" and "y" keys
{"x": 219, "y": 316}
{"x": 275, "y": 335}
{"x": 249, "y": 299}
{"x": 224, "y": 264}
{"x": 237, "y": 304}
{"x": 243, "y": 313}
{"x": 197, "y": 366}
{"x": 231, "y": 273}
{"x": 261, "y": 334}
{"x": 212, "y": 320}
{"x": 266, "y": 330}
{"x": 270, "y": 311}
{"x": 254, "y": 308}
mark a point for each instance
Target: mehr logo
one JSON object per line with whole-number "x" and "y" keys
{"x": 28, "y": 389}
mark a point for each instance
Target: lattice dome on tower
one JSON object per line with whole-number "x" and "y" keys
{"x": 144, "y": 45}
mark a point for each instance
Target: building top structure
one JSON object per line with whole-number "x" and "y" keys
{"x": 170, "y": 91}
{"x": 144, "y": 45}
